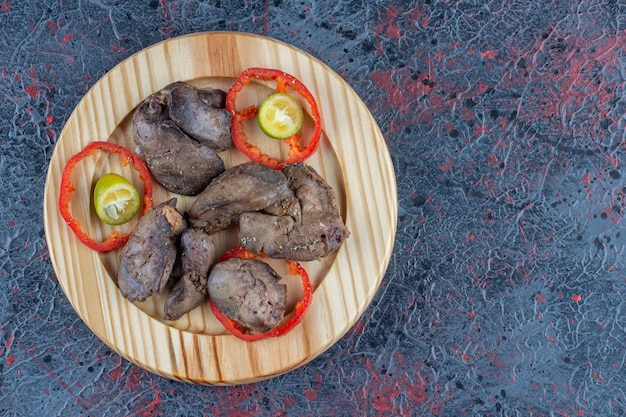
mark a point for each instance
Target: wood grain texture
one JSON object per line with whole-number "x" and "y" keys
{"x": 352, "y": 156}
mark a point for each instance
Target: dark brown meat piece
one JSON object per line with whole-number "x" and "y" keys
{"x": 147, "y": 259}
{"x": 197, "y": 253}
{"x": 245, "y": 187}
{"x": 249, "y": 292}
{"x": 177, "y": 162}
{"x": 200, "y": 113}
{"x": 318, "y": 232}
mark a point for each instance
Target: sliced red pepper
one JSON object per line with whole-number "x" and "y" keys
{"x": 241, "y": 140}
{"x": 115, "y": 239}
{"x": 300, "y": 308}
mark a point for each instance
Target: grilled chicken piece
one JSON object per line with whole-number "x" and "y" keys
{"x": 315, "y": 234}
{"x": 246, "y": 187}
{"x": 147, "y": 259}
{"x": 200, "y": 113}
{"x": 197, "y": 254}
{"x": 249, "y": 292}
{"x": 177, "y": 162}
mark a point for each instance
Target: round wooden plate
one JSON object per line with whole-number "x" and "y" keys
{"x": 352, "y": 157}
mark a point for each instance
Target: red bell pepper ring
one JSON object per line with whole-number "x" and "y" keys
{"x": 241, "y": 140}
{"x": 300, "y": 308}
{"x": 115, "y": 239}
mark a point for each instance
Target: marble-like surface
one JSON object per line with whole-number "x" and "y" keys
{"x": 505, "y": 123}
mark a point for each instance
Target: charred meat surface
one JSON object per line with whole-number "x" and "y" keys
{"x": 200, "y": 113}
{"x": 147, "y": 259}
{"x": 197, "y": 254}
{"x": 177, "y": 162}
{"x": 246, "y": 187}
{"x": 249, "y": 292}
{"x": 315, "y": 234}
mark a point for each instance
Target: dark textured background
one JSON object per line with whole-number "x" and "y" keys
{"x": 505, "y": 122}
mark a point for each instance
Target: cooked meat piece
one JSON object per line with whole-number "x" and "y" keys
{"x": 147, "y": 259}
{"x": 200, "y": 113}
{"x": 261, "y": 232}
{"x": 316, "y": 233}
{"x": 249, "y": 292}
{"x": 177, "y": 162}
{"x": 246, "y": 187}
{"x": 197, "y": 253}
{"x": 289, "y": 206}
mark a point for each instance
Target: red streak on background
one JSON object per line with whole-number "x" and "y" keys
{"x": 66, "y": 38}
